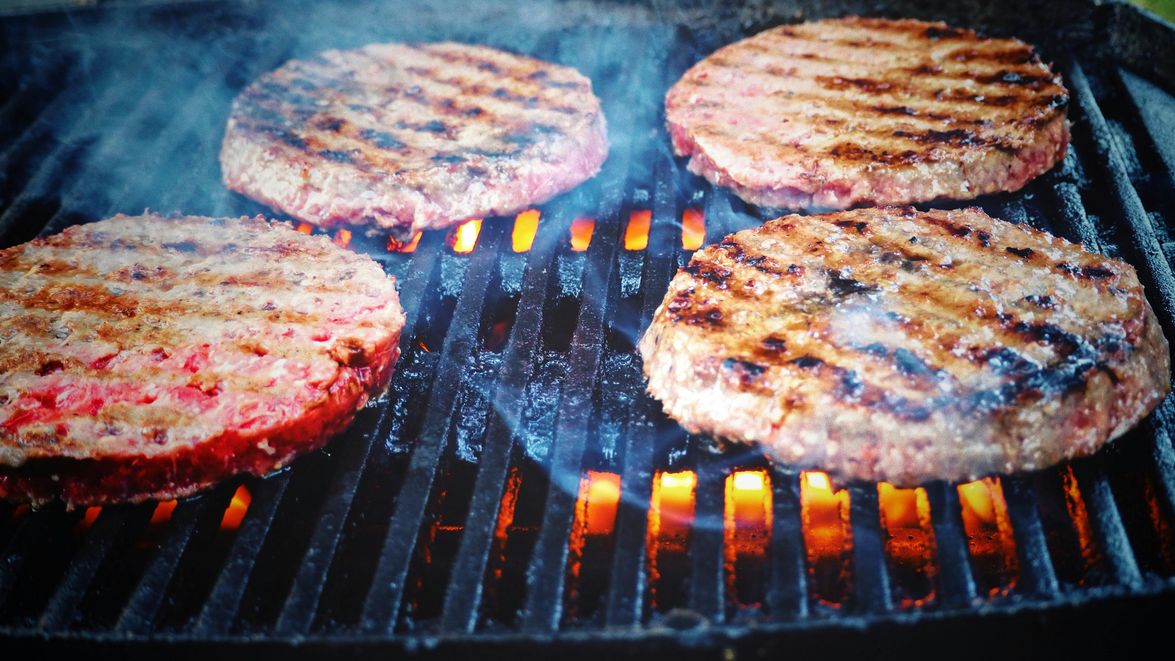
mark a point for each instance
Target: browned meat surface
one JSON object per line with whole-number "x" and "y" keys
{"x": 410, "y": 137}
{"x": 891, "y": 344}
{"x": 149, "y": 357}
{"x": 857, "y": 111}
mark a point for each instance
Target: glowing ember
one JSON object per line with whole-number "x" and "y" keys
{"x": 423, "y": 346}
{"x": 599, "y": 496}
{"x": 828, "y": 538}
{"x": 636, "y": 235}
{"x": 465, "y": 237}
{"x": 89, "y": 518}
{"x": 162, "y": 513}
{"x": 525, "y": 226}
{"x": 747, "y": 527}
{"x": 989, "y": 535}
{"x": 693, "y": 229}
{"x": 671, "y": 515}
{"x": 396, "y": 246}
{"x": 581, "y": 233}
{"x": 909, "y": 543}
{"x": 305, "y": 228}
{"x": 342, "y": 238}
{"x": 235, "y": 512}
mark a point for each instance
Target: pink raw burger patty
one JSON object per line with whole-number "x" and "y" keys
{"x": 148, "y": 357}
{"x": 406, "y": 137}
{"x": 860, "y": 111}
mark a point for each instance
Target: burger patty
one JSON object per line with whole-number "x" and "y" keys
{"x": 836, "y": 113}
{"x": 905, "y": 346}
{"x": 149, "y": 357}
{"x": 409, "y": 137}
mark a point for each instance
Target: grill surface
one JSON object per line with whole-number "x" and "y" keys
{"x": 475, "y": 508}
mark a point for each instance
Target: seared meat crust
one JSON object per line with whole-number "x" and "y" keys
{"x": 862, "y": 111}
{"x": 409, "y": 137}
{"x": 149, "y": 357}
{"x": 905, "y": 346}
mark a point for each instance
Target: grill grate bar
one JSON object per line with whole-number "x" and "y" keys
{"x": 706, "y": 548}
{"x": 223, "y": 601}
{"x": 870, "y": 574}
{"x": 138, "y": 615}
{"x": 787, "y": 594}
{"x": 383, "y": 600}
{"x": 1162, "y": 452}
{"x": 32, "y": 530}
{"x": 90, "y": 187}
{"x": 954, "y": 561}
{"x": 298, "y": 610}
{"x": 308, "y": 585}
{"x": 465, "y": 586}
{"x": 1156, "y": 271}
{"x": 626, "y": 582}
{"x": 73, "y": 585}
{"x": 1108, "y": 527}
{"x": 542, "y": 610}
{"x": 49, "y": 169}
{"x": 1037, "y": 577}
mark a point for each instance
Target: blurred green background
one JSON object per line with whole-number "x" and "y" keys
{"x": 1164, "y": 8}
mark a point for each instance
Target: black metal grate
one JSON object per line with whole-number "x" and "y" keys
{"x": 476, "y": 507}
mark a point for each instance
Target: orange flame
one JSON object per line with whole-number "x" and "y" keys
{"x": 465, "y": 238}
{"x": 747, "y": 534}
{"x": 828, "y": 537}
{"x": 162, "y": 513}
{"x": 671, "y": 515}
{"x": 989, "y": 535}
{"x": 599, "y": 497}
{"x": 581, "y": 233}
{"x": 235, "y": 512}
{"x": 305, "y": 228}
{"x": 636, "y": 235}
{"x": 909, "y": 543}
{"x": 342, "y": 238}
{"x": 423, "y": 346}
{"x": 396, "y": 246}
{"x": 89, "y": 518}
{"x": 526, "y": 224}
{"x": 693, "y": 229}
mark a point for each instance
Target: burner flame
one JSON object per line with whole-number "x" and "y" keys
{"x": 305, "y": 228}
{"x": 162, "y": 513}
{"x": 396, "y": 246}
{"x": 581, "y": 233}
{"x": 464, "y": 239}
{"x": 693, "y": 229}
{"x": 828, "y": 537}
{"x": 747, "y": 534}
{"x": 636, "y": 235}
{"x": 526, "y": 225}
{"x": 235, "y": 512}
{"x": 342, "y": 238}
{"x": 989, "y": 535}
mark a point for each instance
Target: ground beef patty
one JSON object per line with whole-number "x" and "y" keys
{"x": 898, "y": 345}
{"x": 836, "y": 113}
{"x": 409, "y": 137}
{"x": 148, "y": 357}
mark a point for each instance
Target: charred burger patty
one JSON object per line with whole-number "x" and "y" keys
{"x": 408, "y": 137}
{"x": 837, "y": 113}
{"x": 149, "y": 357}
{"x": 905, "y": 346}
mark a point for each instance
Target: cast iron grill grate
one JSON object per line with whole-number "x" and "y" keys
{"x": 516, "y": 487}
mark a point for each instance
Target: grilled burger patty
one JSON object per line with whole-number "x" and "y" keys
{"x": 836, "y": 113}
{"x": 897, "y": 345}
{"x": 410, "y": 137}
{"x": 148, "y": 357}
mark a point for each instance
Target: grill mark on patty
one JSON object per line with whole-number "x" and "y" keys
{"x": 374, "y": 161}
